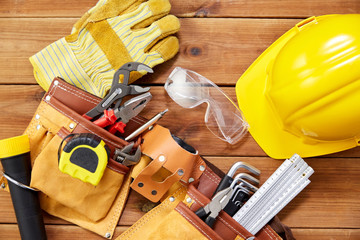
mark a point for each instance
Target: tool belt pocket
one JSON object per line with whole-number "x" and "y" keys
{"x": 175, "y": 217}
{"x": 182, "y": 223}
{"x": 172, "y": 219}
{"x": 224, "y": 226}
{"x": 95, "y": 207}
{"x": 87, "y": 199}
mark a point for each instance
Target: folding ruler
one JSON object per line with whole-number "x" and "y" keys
{"x": 281, "y": 187}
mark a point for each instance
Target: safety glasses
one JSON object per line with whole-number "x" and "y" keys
{"x": 223, "y": 118}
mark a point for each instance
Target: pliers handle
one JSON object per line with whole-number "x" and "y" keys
{"x": 110, "y": 119}
{"x": 212, "y": 209}
{"x": 118, "y": 118}
{"x": 204, "y": 214}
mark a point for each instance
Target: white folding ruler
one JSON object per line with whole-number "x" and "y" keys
{"x": 281, "y": 187}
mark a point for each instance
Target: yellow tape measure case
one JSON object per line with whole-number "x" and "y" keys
{"x": 84, "y": 157}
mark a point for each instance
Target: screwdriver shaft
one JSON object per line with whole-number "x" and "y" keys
{"x": 146, "y": 125}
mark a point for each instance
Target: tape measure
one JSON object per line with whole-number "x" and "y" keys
{"x": 84, "y": 157}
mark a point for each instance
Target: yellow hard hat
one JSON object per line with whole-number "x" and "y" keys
{"x": 302, "y": 95}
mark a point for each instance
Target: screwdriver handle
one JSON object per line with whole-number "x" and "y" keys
{"x": 108, "y": 119}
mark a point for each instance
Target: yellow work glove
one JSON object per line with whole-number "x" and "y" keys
{"x": 109, "y": 35}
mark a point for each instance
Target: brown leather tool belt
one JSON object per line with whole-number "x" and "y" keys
{"x": 165, "y": 166}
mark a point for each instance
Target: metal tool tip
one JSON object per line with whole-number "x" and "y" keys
{"x": 165, "y": 111}
{"x": 144, "y": 67}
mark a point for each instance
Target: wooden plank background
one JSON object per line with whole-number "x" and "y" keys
{"x": 218, "y": 39}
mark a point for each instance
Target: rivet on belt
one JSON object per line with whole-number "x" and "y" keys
{"x": 161, "y": 158}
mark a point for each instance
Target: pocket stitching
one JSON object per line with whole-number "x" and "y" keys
{"x": 116, "y": 170}
{"x": 83, "y": 96}
{"x": 113, "y": 143}
{"x": 148, "y": 217}
{"x": 216, "y": 177}
{"x": 71, "y": 91}
{"x": 40, "y": 112}
{"x": 53, "y": 90}
{"x": 202, "y": 204}
{"x": 43, "y": 145}
{"x": 118, "y": 209}
{"x": 269, "y": 232}
{"x": 135, "y": 119}
{"x": 211, "y": 176}
{"x": 227, "y": 224}
{"x": 33, "y": 122}
{"x": 61, "y": 134}
{"x": 87, "y": 98}
{"x": 194, "y": 224}
{"x": 195, "y": 198}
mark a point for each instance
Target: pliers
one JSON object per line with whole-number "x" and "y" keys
{"x": 119, "y": 90}
{"x": 119, "y": 117}
{"x": 212, "y": 210}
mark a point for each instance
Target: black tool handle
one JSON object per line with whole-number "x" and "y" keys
{"x": 210, "y": 221}
{"x": 25, "y": 201}
{"x": 224, "y": 183}
{"x": 231, "y": 208}
{"x": 201, "y": 213}
{"x": 235, "y": 204}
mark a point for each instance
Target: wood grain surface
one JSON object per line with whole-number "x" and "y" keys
{"x": 218, "y": 39}
{"x": 190, "y": 8}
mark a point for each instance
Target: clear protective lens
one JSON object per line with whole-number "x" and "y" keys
{"x": 223, "y": 118}
{"x": 183, "y": 90}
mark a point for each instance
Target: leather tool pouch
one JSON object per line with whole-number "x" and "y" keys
{"x": 170, "y": 164}
{"x": 174, "y": 218}
{"x": 180, "y": 196}
{"x": 96, "y": 208}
